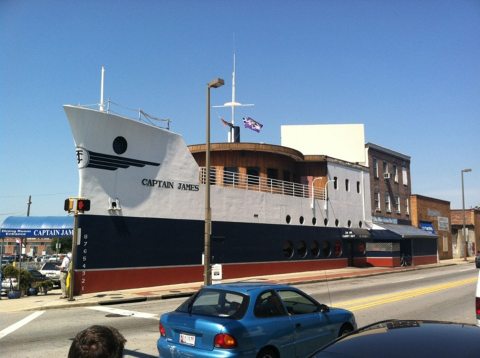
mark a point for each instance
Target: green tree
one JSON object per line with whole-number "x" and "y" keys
{"x": 65, "y": 244}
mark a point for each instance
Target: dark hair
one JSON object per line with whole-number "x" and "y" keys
{"x": 97, "y": 342}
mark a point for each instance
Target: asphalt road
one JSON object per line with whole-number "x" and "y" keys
{"x": 446, "y": 293}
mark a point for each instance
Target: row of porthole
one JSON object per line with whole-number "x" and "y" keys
{"x": 315, "y": 250}
{"x": 301, "y": 220}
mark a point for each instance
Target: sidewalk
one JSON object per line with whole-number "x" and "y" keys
{"x": 52, "y": 299}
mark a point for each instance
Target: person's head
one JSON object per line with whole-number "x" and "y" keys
{"x": 97, "y": 342}
{"x": 69, "y": 255}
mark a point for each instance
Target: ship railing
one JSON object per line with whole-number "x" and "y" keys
{"x": 257, "y": 183}
{"x": 140, "y": 114}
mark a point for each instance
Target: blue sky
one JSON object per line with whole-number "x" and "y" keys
{"x": 409, "y": 70}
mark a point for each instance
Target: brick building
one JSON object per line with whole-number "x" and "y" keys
{"x": 472, "y": 226}
{"x": 433, "y": 215}
{"x": 390, "y": 185}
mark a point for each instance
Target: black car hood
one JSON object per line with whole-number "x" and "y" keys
{"x": 407, "y": 338}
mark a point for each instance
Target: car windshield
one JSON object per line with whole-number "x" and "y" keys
{"x": 216, "y": 303}
{"x": 49, "y": 266}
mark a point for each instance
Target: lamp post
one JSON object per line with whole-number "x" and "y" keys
{"x": 326, "y": 194}
{"x": 312, "y": 205}
{"x": 464, "y": 219}
{"x": 207, "y": 272}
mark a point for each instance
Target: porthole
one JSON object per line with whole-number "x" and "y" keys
{"x": 288, "y": 249}
{"x": 338, "y": 249}
{"x": 360, "y": 224}
{"x": 314, "y": 221}
{"x": 288, "y": 219}
{"x": 336, "y": 222}
{"x": 302, "y": 249}
{"x": 315, "y": 249}
{"x": 301, "y": 219}
{"x": 325, "y": 221}
{"x": 120, "y": 145}
{"x": 326, "y": 249}
{"x": 349, "y": 223}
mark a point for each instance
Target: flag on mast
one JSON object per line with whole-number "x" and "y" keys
{"x": 225, "y": 123}
{"x": 252, "y": 124}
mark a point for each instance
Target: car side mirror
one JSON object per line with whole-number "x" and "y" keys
{"x": 323, "y": 308}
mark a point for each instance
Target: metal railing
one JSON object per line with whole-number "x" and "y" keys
{"x": 252, "y": 182}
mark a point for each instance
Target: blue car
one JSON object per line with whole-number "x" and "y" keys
{"x": 248, "y": 319}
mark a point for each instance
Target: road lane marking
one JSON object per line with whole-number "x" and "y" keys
{"x": 20, "y": 324}
{"x": 126, "y": 313}
{"x": 372, "y": 301}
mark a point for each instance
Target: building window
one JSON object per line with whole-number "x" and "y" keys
{"x": 315, "y": 249}
{"x": 286, "y": 175}
{"x": 326, "y": 249}
{"x": 338, "y": 248}
{"x": 230, "y": 175}
{"x": 395, "y": 173}
{"x": 385, "y": 168}
{"x": 358, "y": 187}
{"x": 347, "y": 185}
{"x": 388, "y": 204}
{"x": 272, "y": 173}
{"x": 397, "y": 204}
{"x": 335, "y": 183}
{"x": 407, "y": 206}
{"x": 404, "y": 176}
{"x": 288, "y": 249}
{"x": 302, "y": 249}
{"x": 375, "y": 167}
{"x": 377, "y": 201}
{"x": 213, "y": 175}
{"x": 252, "y": 175}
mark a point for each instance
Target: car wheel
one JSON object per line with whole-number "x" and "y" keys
{"x": 267, "y": 353}
{"x": 344, "y": 330}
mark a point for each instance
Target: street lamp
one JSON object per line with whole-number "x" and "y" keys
{"x": 312, "y": 205}
{"x": 326, "y": 194}
{"x": 464, "y": 220}
{"x": 207, "y": 272}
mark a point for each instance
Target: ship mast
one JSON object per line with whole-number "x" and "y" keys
{"x": 232, "y": 105}
{"x": 101, "y": 89}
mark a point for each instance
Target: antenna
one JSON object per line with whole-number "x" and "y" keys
{"x": 101, "y": 89}
{"x": 233, "y": 104}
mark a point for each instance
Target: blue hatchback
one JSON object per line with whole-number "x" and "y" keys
{"x": 250, "y": 320}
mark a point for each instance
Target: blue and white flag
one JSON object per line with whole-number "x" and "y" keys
{"x": 252, "y": 124}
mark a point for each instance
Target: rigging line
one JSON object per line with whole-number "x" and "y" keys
{"x": 12, "y": 213}
{"x": 24, "y": 195}
{"x": 124, "y": 107}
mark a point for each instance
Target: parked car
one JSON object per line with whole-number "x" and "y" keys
{"x": 7, "y": 285}
{"x": 50, "y": 270}
{"x": 250, "y": 319}
{"x": 406, "y": 338}
{"x": 37, "y": 275}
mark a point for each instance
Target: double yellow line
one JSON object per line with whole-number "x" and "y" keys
{"x": 376, "y": 300}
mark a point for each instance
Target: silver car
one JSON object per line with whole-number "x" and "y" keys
{"x": 50, "y": 270}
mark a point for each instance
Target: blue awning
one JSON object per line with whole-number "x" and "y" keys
{"x": 406, "y": 231}
{"x": 37, "y": 226}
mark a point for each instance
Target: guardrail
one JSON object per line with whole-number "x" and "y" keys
{"x": 256, "y": 183}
